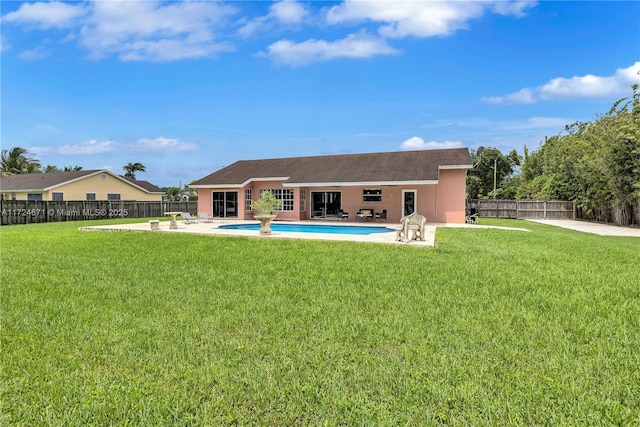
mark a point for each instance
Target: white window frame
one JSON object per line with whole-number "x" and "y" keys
{"x": 248, "y": 194}
{"x": 286, "y": 196}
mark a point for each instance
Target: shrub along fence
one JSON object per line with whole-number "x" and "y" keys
{"x": 522, "y": 209}
{"x": 30, "y": 212}
{"x": 629, "y": 216}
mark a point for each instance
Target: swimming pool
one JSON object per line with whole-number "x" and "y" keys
{"x": 313, "y": 228}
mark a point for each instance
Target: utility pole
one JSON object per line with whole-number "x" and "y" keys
{"x": 495, "y": 175}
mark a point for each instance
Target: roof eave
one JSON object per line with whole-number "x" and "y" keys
{"x": 360, "y": 183}
{"x": 455, "y": 166}
{"x": 216, "y": 186}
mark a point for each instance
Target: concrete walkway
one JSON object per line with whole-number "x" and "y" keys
{"x": 591, "y": 227}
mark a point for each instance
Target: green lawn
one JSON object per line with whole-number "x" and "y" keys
{"x": 490, "y": 327}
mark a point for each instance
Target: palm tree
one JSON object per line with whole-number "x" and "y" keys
{"x": 16, "y": 161}
{"x": 130, "y": 169}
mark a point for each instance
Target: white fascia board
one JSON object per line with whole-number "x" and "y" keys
{"x": 359, "y": 184}
{"x": 243, "y": 184}
{"x": 455, "y": 166}
{"x": 216, "y": 186}
{"x": 272, "y": 178}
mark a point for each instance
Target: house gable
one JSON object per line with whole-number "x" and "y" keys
{"x": 74, "y": 185}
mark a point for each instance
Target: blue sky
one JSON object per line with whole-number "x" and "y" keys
{"x": 186, "y": 88}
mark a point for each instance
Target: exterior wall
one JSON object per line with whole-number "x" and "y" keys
{"x": 94, "y": 184}
{"x": 204, "y": 200}
{"x": 444, "y": 202}
{"x": 451, "y": 194}
{"x": 392, "y": 200}
{"x": 258, "y": 187}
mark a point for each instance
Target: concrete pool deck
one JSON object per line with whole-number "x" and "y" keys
{"x": 211, "y": 228}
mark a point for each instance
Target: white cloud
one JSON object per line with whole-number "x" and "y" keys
{"x": 421, "y": 18}
{"x": 34, "y": 54}
{"x": 417, "y": 143}
{"x": 150, "y": 30}
{"x": 359, "y": 45}
{"x": 287, "y": 12}
{"x": 47, "y": 15}
{"x": 3, "y": 44}
{"x": 523, "y": 96}
{"x": 587, "y": 86}
{"x": 88, "y": 147}
{"x": 163, "y": 144}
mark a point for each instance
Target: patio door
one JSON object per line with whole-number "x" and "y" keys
{"x": 325, "y": 203}
{"x": 408, "y": 202}
{"x": 225, "y": 204}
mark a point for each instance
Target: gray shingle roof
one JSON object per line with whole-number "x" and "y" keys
{"x": 391, "y": 167}
{"x": 40, "y": 181}
{"x": 45, "y": 181}
{"x": 146, "y": 185}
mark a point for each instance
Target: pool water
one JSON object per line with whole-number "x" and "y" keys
{"x": 312, "y": 228}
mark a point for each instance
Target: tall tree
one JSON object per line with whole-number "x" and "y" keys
{"x": 16, "y": 161}
{"x": 492, "y": 168}
{"x": 130, "y": 169}
{"x": 595, "y": 164}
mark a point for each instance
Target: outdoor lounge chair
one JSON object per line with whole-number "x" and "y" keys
{"x": 188, "y": 219}
{"x": 472, "y": 218}
{"x": 381, "y": 216}
{"x": 343, "y": 215}
{"x": 202, "y": 216}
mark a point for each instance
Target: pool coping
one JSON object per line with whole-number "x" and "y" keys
{"x": 211, "y": 229}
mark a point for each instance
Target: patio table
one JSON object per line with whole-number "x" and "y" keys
{"x": 173, "y": 225}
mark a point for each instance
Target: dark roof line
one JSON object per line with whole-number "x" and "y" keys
{"x": 390, "y": 167}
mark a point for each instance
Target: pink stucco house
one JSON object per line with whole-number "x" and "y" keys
{"x": 431, "y": 182}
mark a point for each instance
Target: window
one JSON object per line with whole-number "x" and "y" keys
{"x": 247, "y": 199}
{"x": 113, "y": 196}
{"x": 13, "y": 196}
{"x": 57, "y": 197}
{"x": 91, "y": 196}
{"x": 372, "y": 195}
{"x": 303, "y": 200}
{"x": 34, "y": 197}
{"x": 284, "y": 195}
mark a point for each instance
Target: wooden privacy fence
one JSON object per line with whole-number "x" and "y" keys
{"x": 522, "y": 209}
{"x": 30, "y": 212}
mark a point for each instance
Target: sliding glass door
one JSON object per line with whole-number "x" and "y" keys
{"x": 325, "y": 203}
{"x": 225, "y": 204}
